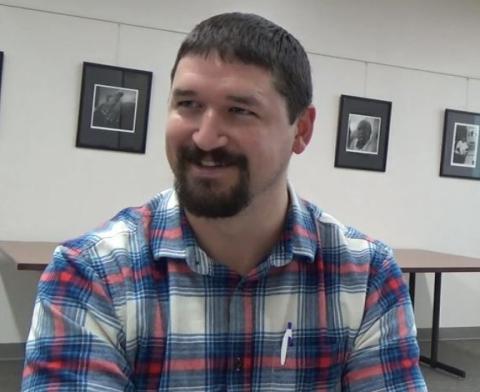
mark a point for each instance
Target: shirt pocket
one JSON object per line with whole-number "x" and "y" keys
{"x": 313, "y": 363}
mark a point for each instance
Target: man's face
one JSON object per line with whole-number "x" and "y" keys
{"x": 228, "y": 137}
{"x": 363, "y": 134}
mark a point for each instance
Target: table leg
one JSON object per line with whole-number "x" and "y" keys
{"x": 411, "y": 286}
{"x": 437, "y": 291}
{"x": 432, "y": 361}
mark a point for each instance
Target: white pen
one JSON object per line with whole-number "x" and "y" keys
{"x": 286, "y": 342}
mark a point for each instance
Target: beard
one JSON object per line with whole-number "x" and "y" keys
{"x": 204, "y": 197}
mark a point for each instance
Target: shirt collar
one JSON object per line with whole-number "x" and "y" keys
{"x": 172, "y": 237}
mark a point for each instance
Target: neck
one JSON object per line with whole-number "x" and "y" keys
{"x": 242, "y": 241}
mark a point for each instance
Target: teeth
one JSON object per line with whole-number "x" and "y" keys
{"x": 209, "y": 163}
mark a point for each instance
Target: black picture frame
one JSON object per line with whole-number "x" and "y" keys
{"x": 460, "y": 145}
{"x": 114, "y": 106}
{"x": 362, "y": 136}
{"x": 1, "y": 71}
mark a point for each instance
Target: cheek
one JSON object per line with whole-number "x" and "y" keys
{"x": 271, "y": 157}
{"x": 180, "y": 124}
{"x": 274, "y": 149}
{"x": 261, "y": 156}
{"x": 175, "y": 128}
{"x": 176, "y": 135}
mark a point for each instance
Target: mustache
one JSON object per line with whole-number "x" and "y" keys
{"x": 221, "y": 156}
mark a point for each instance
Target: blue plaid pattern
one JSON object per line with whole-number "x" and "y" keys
{"x": 136, "y": 305}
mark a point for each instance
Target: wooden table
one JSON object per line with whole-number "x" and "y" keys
{"x": 413, "y": 261}
{"x": 27, "y": 255}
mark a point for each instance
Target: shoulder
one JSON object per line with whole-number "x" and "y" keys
{"x": 344, "y": 243}
{"x": 102, "y": 265}
{"x": 127, "y": 232}
{"x": 352, "y": 266}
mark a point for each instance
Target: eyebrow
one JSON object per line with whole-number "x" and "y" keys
{"x": 179, "y": 93}
{"x": 248, "y": 100}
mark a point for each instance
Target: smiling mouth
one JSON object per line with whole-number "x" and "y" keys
{"x": 212, "y": 164}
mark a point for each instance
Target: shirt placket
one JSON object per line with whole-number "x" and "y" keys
{"x": 241, "y": 328}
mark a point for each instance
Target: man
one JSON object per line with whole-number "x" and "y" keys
{"x": 107, "y": 114}
{"x": 231, "y": 282}
{"x": 363, "y": 139}
{"x": 461, "y": 146}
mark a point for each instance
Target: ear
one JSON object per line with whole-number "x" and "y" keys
{"x": 304, "y": 130}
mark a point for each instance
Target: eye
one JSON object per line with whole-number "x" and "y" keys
{"x": 241, "y": 111}
{"x": 188, "y": 104}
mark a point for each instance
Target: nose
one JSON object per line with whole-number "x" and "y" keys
{"x": 211, "y": 132}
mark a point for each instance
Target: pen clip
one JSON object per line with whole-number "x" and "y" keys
{"x": 287, "y": 341}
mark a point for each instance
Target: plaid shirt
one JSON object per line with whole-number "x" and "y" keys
{"x": 137, "y": 306}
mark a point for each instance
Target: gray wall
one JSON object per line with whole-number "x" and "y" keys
{"x": 422, "y": 55}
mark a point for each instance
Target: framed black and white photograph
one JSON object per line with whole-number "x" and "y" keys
{"x": 460, "y": 147}
{"x": 114, "y": 105}
{"x": 114, "y": 109}
{"x": 362, "y": 137}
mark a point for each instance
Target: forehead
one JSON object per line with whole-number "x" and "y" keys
{"x": 215, "y": 71}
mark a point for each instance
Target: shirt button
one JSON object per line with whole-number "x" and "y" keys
{"x": 238, "y": 364}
